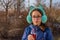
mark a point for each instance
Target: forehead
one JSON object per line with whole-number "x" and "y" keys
{"x": 36, "y": 13}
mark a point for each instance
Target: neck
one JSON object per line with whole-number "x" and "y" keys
{"x": 42, "y": 28}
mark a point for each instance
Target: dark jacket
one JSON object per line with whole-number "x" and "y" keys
{"x": 46, "y": 35}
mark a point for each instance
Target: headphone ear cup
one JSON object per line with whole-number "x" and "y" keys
{"x": 29, "y": 19}
{"x": 44, "y": 19}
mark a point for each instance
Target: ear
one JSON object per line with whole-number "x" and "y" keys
{"x": 31, "y": 7}
{"x": 41, "y": 7}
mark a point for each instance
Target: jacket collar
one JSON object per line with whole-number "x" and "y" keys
{"x": 36, "y": 27}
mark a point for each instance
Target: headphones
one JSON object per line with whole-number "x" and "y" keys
{"x": 44, "y": 16}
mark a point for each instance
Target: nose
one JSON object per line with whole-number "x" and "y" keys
{"x": 36, "y": 19}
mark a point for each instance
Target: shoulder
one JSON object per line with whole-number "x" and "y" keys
{"x": 48, "y": 29}
{"x": 28, "y": 28}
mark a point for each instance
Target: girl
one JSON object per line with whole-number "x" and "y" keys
{"x": 37, "y": 30}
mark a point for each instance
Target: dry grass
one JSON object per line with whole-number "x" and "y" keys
{"x": 15, "y": 26}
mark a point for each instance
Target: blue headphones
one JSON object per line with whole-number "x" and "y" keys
{"x": 44, "y": 17}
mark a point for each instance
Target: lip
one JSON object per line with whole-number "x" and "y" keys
{"x": 36, "y": 21}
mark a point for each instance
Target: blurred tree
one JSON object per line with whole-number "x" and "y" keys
{"x": 38, "y": 2}
{"x": 19, "y": 6}
{"x": 6, "y": 4}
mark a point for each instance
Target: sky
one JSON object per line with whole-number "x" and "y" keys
{"x": 47, "y": 2}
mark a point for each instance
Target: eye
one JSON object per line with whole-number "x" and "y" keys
{"x": 36, "y": 16}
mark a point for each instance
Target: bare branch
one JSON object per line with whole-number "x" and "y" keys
{"x": 9, "y": 1}
{"x": 4, "y": 2}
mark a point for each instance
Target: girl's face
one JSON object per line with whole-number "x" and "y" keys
{"x": 36, "y": 17}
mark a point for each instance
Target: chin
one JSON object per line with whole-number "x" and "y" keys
{"x": 36, "y": 24}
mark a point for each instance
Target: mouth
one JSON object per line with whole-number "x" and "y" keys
{"x": 36, "y": 21}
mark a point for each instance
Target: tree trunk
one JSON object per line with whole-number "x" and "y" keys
{"x": 18, "y": 8}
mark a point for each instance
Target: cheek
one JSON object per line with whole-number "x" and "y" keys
{"x": 38, "y": 21}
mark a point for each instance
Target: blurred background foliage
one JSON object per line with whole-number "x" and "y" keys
{"x": 13, "y": 17}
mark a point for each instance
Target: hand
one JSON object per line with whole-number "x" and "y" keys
{"x": 30, "y": 37}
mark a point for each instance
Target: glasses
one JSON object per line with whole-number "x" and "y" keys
{"x": 36, "y": 16}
